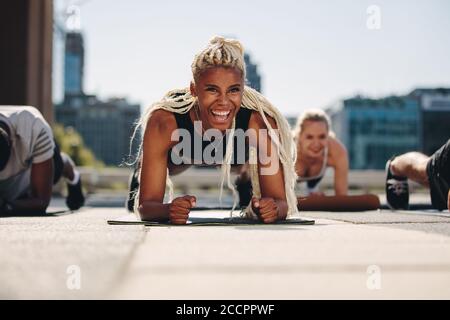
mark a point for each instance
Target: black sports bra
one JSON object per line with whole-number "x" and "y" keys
{"x": 184, "y": 122}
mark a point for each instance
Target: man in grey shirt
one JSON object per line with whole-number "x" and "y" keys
{"x": 30, "y": 163}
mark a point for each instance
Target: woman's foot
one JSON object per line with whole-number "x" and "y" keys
{"x": 75, "y": 198}
{"x": 397, "y": 190}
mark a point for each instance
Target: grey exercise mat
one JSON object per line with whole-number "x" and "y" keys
{"x": 131, "y": 219}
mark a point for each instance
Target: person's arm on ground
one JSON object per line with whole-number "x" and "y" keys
{"x": 41, "y": 191}
{"x": 157, "y": 143}
{"x": 273, "y": 205}
{"x": 339, "y": 159}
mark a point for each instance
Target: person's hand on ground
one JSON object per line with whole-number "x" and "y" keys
{"x": 266, "y": 209}
{"x": 180, "y": 208}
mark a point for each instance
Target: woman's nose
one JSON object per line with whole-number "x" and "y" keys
{"x": 223, "y": 99}
{"x": 316, "y": 143}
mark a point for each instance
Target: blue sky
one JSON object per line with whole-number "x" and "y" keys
{"x": 310, "y": 53}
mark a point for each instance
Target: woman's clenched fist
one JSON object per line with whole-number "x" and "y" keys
{"x": 180, "y": 208}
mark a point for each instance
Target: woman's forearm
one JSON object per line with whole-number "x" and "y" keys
{"x": 341, "y": 188}
{"x": 32, "y": 206}
{"x": 154, "y": 211}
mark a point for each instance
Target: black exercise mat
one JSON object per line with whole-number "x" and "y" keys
{"x": 131, "y": 219}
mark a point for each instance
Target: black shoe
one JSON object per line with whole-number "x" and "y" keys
{"x": 397, "y": 190}
{"x": 75, "y": 197}
{"x": 245, "y": 191}
{"x": 133, "y": 189}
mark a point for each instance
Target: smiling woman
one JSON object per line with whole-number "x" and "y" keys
{"x": 318, "y": 149}
{"x": 216, "y": 104}
{"x": 219, "y": 90}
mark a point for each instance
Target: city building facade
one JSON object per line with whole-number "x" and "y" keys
{"x": 253, "y": 77}
{"x": 105, "y": 126}
{"x": 373, "y": 130}
{"x": 435, "y": 116}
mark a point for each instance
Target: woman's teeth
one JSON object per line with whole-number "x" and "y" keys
{"x": 221, "y": 115}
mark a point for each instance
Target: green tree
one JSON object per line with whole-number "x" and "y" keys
{"x": 71, "y": 142}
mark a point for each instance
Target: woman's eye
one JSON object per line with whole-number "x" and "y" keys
{"x": 211, "y": 89}
{"x": 235, "y": 90}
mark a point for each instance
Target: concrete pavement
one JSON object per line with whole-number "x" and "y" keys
{"x": 365, "y": 255}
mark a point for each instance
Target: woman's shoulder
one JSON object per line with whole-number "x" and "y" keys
{"x": 257, "y": 121}
{"x": 336, "y": 148}
{"x": 161, "y": 123}
{"x": 163, "y": 119}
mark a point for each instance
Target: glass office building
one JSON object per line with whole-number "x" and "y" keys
{"x": 375, "y": 129}
{"x": 435, "y": 114}
{"x": 74, "y": 63}
{"x": 253, "y": 76}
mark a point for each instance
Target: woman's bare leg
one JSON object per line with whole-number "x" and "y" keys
{"x": 412, "y": 165}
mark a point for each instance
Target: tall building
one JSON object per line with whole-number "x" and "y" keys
{"x": 74, "y": 64}
{"x": 373, "y": 130}
{"x": 435, "y": 116}
{"x": 105, "y": 126}
{"x": 253, "y": 76}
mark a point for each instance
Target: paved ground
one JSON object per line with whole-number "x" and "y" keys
{"x": 368, "y": 255}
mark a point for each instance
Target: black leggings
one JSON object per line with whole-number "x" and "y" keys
{"x": 58, "y": 164}
{"x": 438, "y": 171}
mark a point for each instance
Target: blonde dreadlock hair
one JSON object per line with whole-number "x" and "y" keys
{"x": 222, "y": 52}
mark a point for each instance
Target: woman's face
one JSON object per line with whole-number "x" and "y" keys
{"x": 314, "y": 138}
{"x": 219, "y": 91}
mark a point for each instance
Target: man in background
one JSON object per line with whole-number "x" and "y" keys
{"x": 432, "y": 172}
{"x": 30, "y": 163}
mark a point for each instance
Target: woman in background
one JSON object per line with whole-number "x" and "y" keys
{"x": 318, "y": 149}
